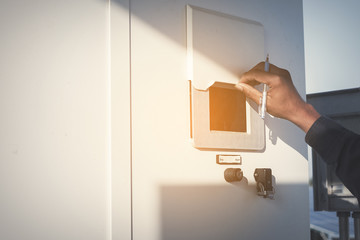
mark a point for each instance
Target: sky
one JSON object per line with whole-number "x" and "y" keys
{"x": 332, "y": 44}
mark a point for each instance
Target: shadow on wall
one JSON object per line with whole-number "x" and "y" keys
{"x": 277, "y": 130}
{"x": 231, "y": 212}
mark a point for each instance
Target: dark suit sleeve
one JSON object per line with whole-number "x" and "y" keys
{"x": 339, "y": 147}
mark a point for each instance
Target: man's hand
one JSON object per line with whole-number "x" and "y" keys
{"x": 283, "y": 100}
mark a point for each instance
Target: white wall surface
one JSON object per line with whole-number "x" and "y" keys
{"x": 332, "y": 49}
{"x": 54, "y": 137}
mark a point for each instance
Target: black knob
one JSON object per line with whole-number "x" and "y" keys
{"x": 233, "y": 174}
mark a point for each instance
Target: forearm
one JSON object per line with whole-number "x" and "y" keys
{"x": 338, "y": 147}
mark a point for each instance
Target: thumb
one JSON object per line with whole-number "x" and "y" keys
{"x": 249, "y": 92}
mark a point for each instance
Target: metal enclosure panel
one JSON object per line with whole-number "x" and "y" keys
{"x": 179, "y": 192}
{"x": 213, "y": 56}
{"x": 54, "y": 132}
{"x": 204, "y": 138}
{"x": 329, "y": 192}
{"x": 213, "y": 59}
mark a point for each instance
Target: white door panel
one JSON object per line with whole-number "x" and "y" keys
{"x": 178, "y": 191}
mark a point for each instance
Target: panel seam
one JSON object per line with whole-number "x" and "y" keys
{"x": 131, "y": 125}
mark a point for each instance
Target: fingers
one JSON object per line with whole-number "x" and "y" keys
{"x": 256, "y": 75}
{"x": 249, "y": 92}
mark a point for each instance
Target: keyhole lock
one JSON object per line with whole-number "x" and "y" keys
{"x": 233, "y": 174}
{"x": 264, "y": 185}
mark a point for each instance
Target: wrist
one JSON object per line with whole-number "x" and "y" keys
{"x": 305, "y": 117}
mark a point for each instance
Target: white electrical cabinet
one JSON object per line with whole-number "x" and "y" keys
{"x": 178, "y": 190}
{"x": 98, "y": 135}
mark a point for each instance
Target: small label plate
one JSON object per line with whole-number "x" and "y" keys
{"x": 228, "y": 159}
